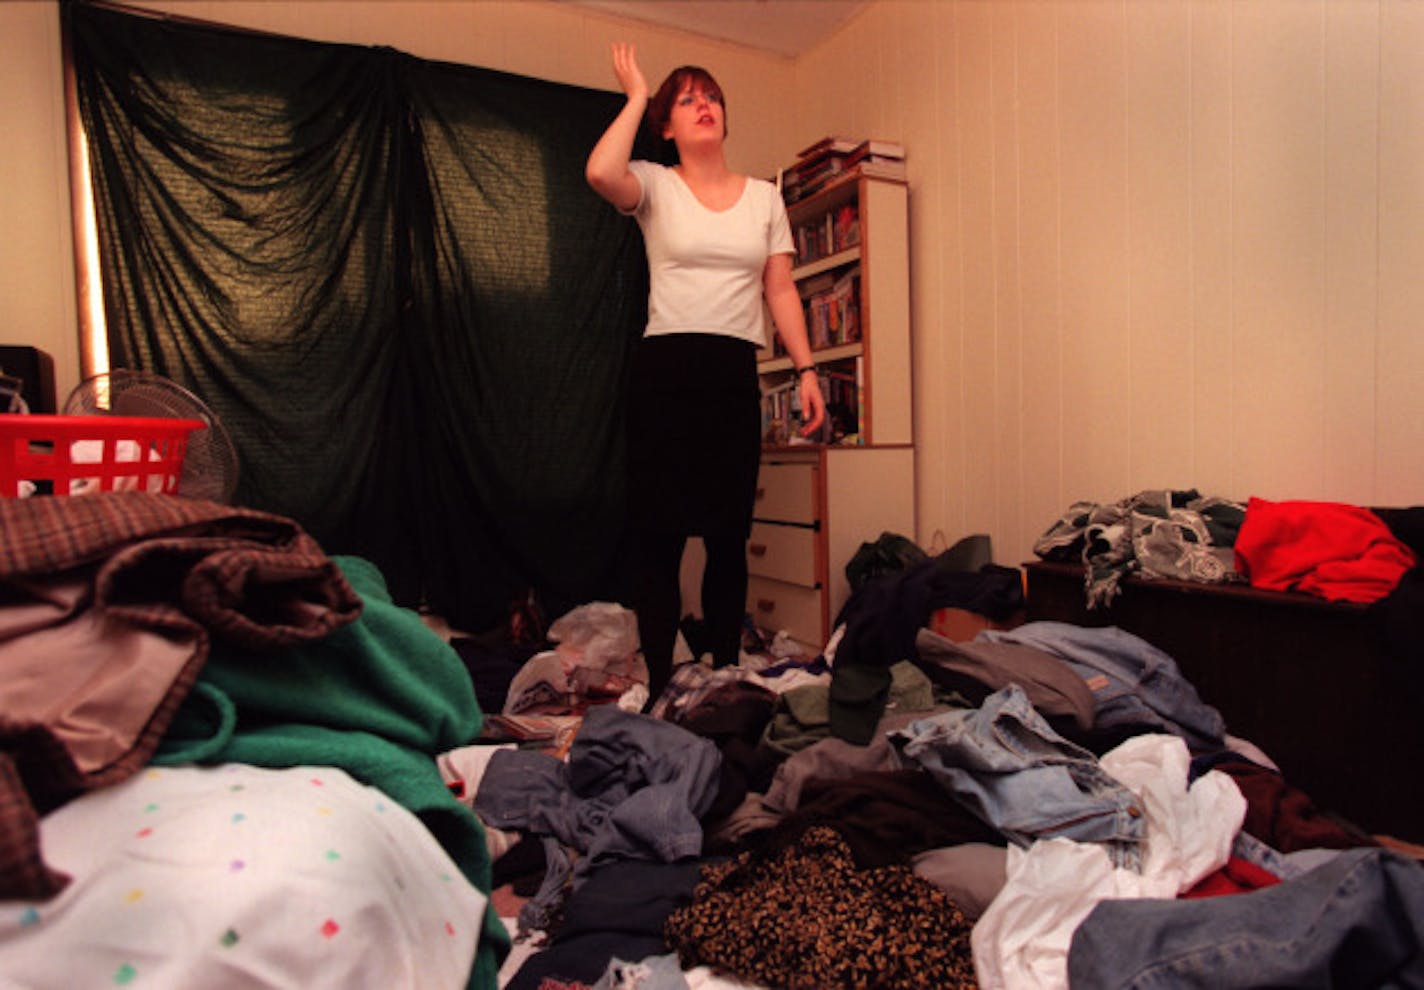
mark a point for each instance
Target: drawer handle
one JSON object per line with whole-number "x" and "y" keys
{"x": 766, "y": 605}
{"x": 756, "y": 549}
{"x": 760, "y": 494}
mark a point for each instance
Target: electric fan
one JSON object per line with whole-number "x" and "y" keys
{"x": 210, "y": 464}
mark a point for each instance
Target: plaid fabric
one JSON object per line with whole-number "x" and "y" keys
{"x": 24, "y": 749}
{"x": 184, "y": 569}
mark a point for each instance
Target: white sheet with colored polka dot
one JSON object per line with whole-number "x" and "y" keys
{"x": 239, "y": 876}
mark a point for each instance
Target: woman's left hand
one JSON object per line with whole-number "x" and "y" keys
{"x": 813, "y": 405}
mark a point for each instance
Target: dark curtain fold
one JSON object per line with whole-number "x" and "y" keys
{"x": 389, "y": 279}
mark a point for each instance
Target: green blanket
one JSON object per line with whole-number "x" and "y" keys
{"x": 379, "y": 698}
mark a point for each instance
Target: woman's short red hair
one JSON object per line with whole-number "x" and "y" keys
{"x": 660, "y": 106}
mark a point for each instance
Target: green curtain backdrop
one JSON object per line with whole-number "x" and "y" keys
{"x": 389, "y": 279}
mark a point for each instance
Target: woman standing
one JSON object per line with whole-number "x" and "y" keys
{"x": 719, "y": 246}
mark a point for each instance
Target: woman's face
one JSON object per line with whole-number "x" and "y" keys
{"x": 697, "y": 116}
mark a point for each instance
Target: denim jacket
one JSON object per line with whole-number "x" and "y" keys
{"x": 1005, "y": 763}
{"x": 1132, "y": 680}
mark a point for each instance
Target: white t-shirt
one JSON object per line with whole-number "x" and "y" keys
{"x": 705, "y": 267}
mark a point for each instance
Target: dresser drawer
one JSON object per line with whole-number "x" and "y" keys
{"x": 776, "y": 605}
{"x": 786, "y": 492}
{"x": 786, "y": 553}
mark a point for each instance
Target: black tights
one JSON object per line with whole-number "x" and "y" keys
{"x": 656, "y": 597}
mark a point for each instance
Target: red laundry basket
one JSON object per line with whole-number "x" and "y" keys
{"x": 70, "y": 455}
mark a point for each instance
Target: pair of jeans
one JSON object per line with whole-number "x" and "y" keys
{"x": 1134, "y": 683}
{"x": 1008, "y": 766}
{"x": 1356, "y": 921}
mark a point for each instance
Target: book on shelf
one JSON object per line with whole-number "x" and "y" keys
{"x": 880, "y": 168}
{"x": 883, "y": 168}
{"x": 815, "y": 165}
{"x": 876, "y": 149}
{"x": 833, "y": 312}
{"x": 845, "y": 231}
{"x": 781, "y": 408}
{"x": 799, "y": 186}
{"x": 799, "y": 191}
{"x": 815, "y": 176}
{"x": 832, "y": 143}
{"x": 884, "y": 159}
{"x": 832, "y": 232}
{"x": 833, "y": 158}
{"x": 817, "y": 160}
{"x": 843, "y": 405}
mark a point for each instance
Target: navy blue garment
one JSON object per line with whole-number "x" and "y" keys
{"x": 882, "y": 619}
{"x": 492, "y": 667}
{"x": 618, "y": 911}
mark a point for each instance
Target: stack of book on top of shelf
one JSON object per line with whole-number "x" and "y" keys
{"x": 832, "y": 157}
{"x": 879, "y": 159}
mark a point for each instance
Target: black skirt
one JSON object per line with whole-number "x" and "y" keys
{"x": 694, "y": 434}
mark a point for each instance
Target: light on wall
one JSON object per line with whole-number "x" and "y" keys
{"x": 91, "y": 282}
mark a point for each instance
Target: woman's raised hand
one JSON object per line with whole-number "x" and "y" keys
{"x": 625, "y": 67}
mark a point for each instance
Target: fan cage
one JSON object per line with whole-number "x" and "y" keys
{"x": 210, "y": 468}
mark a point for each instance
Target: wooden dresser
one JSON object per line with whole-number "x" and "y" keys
{"x": 814, "y": 507}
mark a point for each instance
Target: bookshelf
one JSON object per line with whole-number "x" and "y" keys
{"x": 817, "y": 502}
{"x": 855, "y": 292}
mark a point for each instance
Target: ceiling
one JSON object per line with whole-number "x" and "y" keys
{"x": 784, "y": 27}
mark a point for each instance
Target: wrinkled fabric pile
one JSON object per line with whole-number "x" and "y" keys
{"x": 144, "y": 636}
{"x": 1040, "y": 806}
{"x": 999, "y": 822}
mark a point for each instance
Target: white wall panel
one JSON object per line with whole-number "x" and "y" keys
{"x": 1399, "y": 389}
{"x": 926, "y": 105}
{"x": 1000, "y": 498}
{"x": 1278, "y": 200}
{"x": 1159, "y": 245}
{"x": 1046, "y": 396}
{"x": 1208, "y": 399}
{"x": 37, "y": 300}
{"x": 974, "y": 427}
{"x": 940, "y": 441}
{"x": 1097, "y": 359}
{"x": 1351, "y": 236}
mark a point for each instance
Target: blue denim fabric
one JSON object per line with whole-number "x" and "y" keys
{"x": 1285, "y": 866}
{"x": 1356, "y": 921}
{"x": 1246, "y": 846}
{"x": 634, "y": 787}
{"x": 1005, "y": 764}
{"x": 1133, "y": 681}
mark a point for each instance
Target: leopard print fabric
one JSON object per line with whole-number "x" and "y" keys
{"x": 806, "y": 918}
